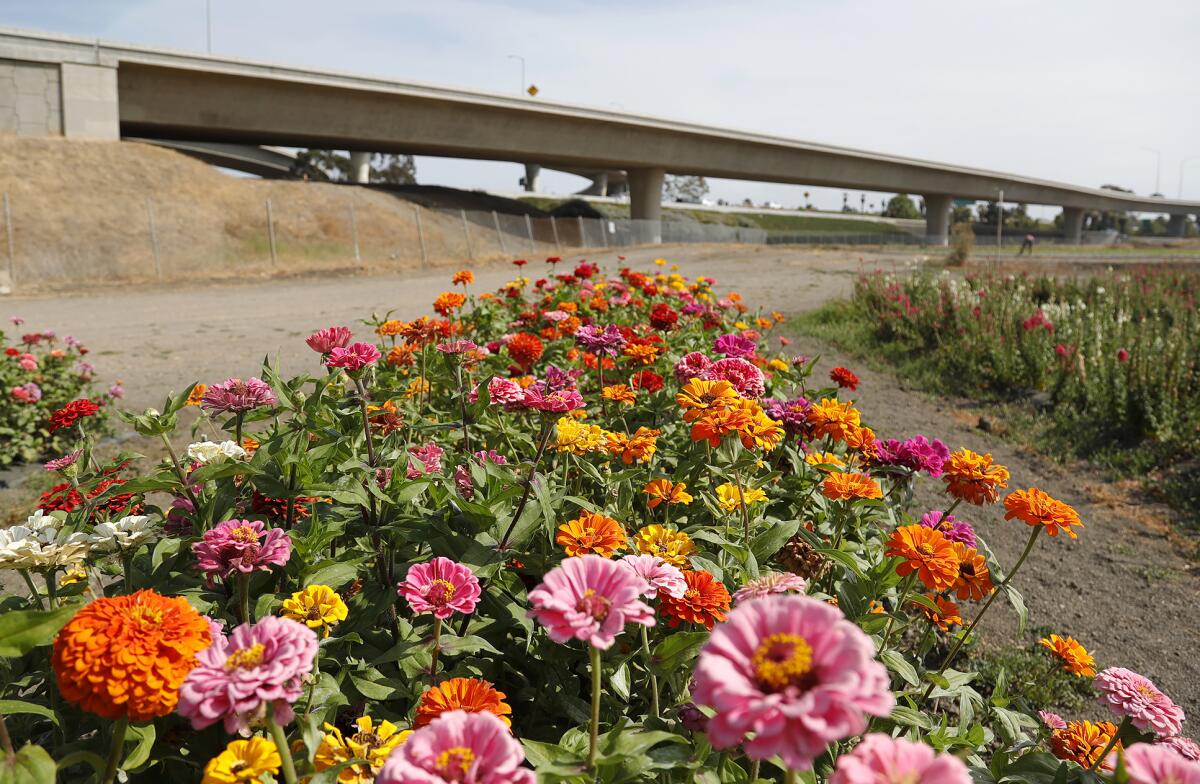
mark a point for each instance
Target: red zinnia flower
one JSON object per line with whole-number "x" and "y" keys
{"x": 647, "y": 380}
{"x": 705, "y": 601}
{"x": 71, "y": 412}
{"x": 520, "y": 262}
{"x": 844, "y": 378}
{"x": 662, "y": 317}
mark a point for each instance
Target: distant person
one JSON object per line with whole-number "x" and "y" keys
{"x": 1027, "y": 245}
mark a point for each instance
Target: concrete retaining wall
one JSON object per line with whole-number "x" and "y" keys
{"x": 30, "y": 98}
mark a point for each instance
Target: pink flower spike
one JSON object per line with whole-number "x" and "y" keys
{"x": 441, "y": 587}
{"x": 589, "y": 598}
{"x": 768, "y": 584}
{"x": 354, "y": 357}
{"x": 881, "y": 759}
{"x": 1148, "y": 763}
{"x": 658, "y": 574}
{"x": 792, "y": 671}
{"x": 241, "y": 546}
{"x": 1128, "y": 694}
{"x": 325, "y": 340}
{"x": 473, "y": 748}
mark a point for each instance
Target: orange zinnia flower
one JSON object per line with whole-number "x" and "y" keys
{"x": 846, "y": 487}
{"x": 401, "y": 355}
{"x": 699, "y": 397}
{"x": 1074, "y": 657}
{"x": 926, "y": 552}
{"x": 127, "y": 656}
{"x": 639, "y": 447}
{"x": 833, "y": 418}
{"x": 525, "y": 349}
{"x": 591, "y": 533}
{"x": 974, "y": 578}
{"x": 973, "y": 478}
{"x": 390, "y": 328}
{"x": 863, "y": 440}
{"x": 196, "y": 396}
{"x": 464, "y": 277}
{"x": 449, "y": 301}
{"x": 473, "y": 695}
{"x": 620, "y": 393}
{"x": 1083, "y": 742}
{"x": 705, "y": 601}
{"x": 641, "y": 353}
{"x": 1035, "y": 507}
{"x": 717, "y": 423}
{"x": 946, "y": 615}
{"x": 665, "y": 491}
{"x": 760, "y": 430}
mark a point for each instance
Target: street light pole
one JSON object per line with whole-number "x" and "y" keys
{"x": 1182, "y": 164}
{"x": 1157, "y": 168}
{"x": 522, "y": 59}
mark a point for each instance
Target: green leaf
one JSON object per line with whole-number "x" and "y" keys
{"x": 768, "y": 542}
{"x": 334, "y": 575}
{"x": 457, "y": 646}
{"x": 620, "y": 681}
{"x": 372, "y": 690}
{"x": 901, "y": 666}
{"x": 30, "y": 765}
{"x": 13, "y": 707}
{"x": 144, "y": 735}
{"x": 1018, "y": 604}
{"x": 677, "y": 650}
{"x": 845, "y": 559}
{"x": 23, "y": 630}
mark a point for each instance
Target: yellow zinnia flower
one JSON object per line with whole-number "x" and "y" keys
{"x": 317, "y": 607}
{"x": 243, "y": 761}
{"x": 672, "y": 546}
{"x": 371, "y": 743}
{"x": 730, "y": 498}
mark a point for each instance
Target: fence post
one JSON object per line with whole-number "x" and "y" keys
{"x": 582, "y": 241}
{"x": 554, "y": 228}
{"x": 8, "y": 230}
{"x": 529, "y": 231}
{"x": 604, "y": 231}
{"x": 354, "y": 231}
{"x": 271, "y": 231}
{"x": 420, "y": 235}
{"x": 499, "y": 234}
{"x": 153, "y": 238}
{"x": 467, "y": 234}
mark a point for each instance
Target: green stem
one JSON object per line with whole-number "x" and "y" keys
{"x": 51, "y": 586}
{"x": 114, "y": 751}
{"x": 33, "y": 591}
{"x": 737, "y": 478}
{"x": 462, "y": 405}
{"x": 904, "y": 591}
{"x": 437, "y": 646}
{"x": 755, "y": 766}
{"x": 237, "y": 426}
{"x": 244, "y": 592}
{"x": 597, "y": 688}
{"x": 281, "y": 745}
{"x": 654, "y": 706}
{"x": 975, "y": 622}
{"x": 127, "y": 569}
{"x": 183, "y": 480}
{"x": 362, "y": 402}
{"x": 790, "y": 777}
{"x": 1125, "y": 724}
{"x": 542, "y": 441}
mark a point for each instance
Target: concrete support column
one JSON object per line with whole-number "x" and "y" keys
{"x": 599, "y": 186}
{"x": 532, "y": 170}
{"x": 360, "y": 167}
{"x": 1072, "y": 225}
{"x": 645, "y": 201}
{"x": 937, "y": 218}
{"x": 89, "y": 102}
{"x": 1176, "y": 225}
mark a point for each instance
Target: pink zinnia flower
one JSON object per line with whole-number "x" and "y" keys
{"x": 236, "y": 396}
{"x": 27, "y": 393}
{"x": 747, "y": 379}
{"x": 1052, "y": 720}
{"x": 505, "y": 392}
{"x": 27, "y": 362}
{"x": 881, "y": 759}
{"x": 734, "y": 345}
{"x": 59, "y": 463}
{"x": 793, "y": 671}
{"x": 441, "y": 587}
{"x": 658, "y": 574}
{"x": 1152, "y": 763}
{"x": 951, "y": 527}
{"x": 768, "y": 584}
{"x": 693, "y": 365}
{"x": 1185, "y": 747}
{"x": 559, "y": 402}
{"x": 241, "y": 546}
{"x": 354, "y": 357}
{"x": 471, "y": 748}
{"x": 1126, "y": 693}
{"x": 259, "y": 667}
{"x": 589, "y": 598}
{"x": 430, "y": 457}
{"x": 457, "y": 346}
{"x": 600, "y": 340}
{"x": 325, "y": 340}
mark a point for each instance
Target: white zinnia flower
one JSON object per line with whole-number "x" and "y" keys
{"x": 211, "y": 453}
{"x": 39, "y": 544}
{"x": 125, "y": 534}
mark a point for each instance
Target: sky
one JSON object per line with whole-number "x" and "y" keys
{"x": 1081, "y": 91}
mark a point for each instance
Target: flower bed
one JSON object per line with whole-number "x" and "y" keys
{"x": 587, "y": 528}
{"x": 38, "y": 376}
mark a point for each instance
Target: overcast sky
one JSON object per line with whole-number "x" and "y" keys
{"x": 1070, "y": 90}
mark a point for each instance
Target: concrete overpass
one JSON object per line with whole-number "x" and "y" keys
{"x": 110, "y": 90}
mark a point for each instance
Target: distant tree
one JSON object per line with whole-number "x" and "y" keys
{"x": 960, "y": 215}
{"x": 747, "y": 203}
{"x": 901, "y": 206}
{"x": 334, "y": 166}
{"x": 394, "y": 169}
{"x": 685, "y": 188}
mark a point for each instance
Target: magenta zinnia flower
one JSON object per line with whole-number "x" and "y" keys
{"x": 354, "y": 357}
{"x": 241, "y": 546}
{"x": 916, "y": 454}
{"x": 693, "y": 365}
{"x": 236, "y": 396}
{"x": 734, "y": 345}
{"x": 658, "y": 574}
{"x": 1152, "y": 763}
{"x": 59, "y": 463}
{"x": 768, "y": 584}
{"x": 598, "y": 340}
{"x": 441, "y": 587}
{"x": 951, "y": 527}
{"x": 259, "y": 667}
{"x": 589, "y": 598}
{"x": 795, "y": 673}
{"x": 882, "y": 759}
{"x": 1128, "y": 694}
{"x": 471, "y": 748}
{"x": 325, "y": 340}
{"x": 559, "y": 402}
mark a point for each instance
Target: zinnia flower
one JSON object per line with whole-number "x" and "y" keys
{"x": 848, "y": 487}
{"x": 833, "y": 418}
{"x": 525, "y": 349}
{"x": 428, "y": 460}
{"x": 1154, "y": 763}
{"x": 354, "y": 357}
{"x": 472, "y": 748}
{"x": 325, "y": 340}
{"x": 734, "y": 345}
{"x": 793, "y": 672}
{"x": 916, "y": 454}
{"x": 64, "y": 462}
{"x": 729, "y": 497}
{"x": 591, "y": 533}
{"x": 243, "y": 761}
{"x": 441, "y": 587}
{"x": 699, "y": 397}
{"x": 947, "y": 613}
{"x": 882, "y": 759}
{"x": 1052, "y": 720}
{"x": 747, "y": 379}
{"x": 259, "y": 667}
{"x": 952, "y": 528}
{"x": 125, "y": 534}
{"x": 926, "y": 552}
{"x": 974, "y": 578}
{"x": 600, "y": 340}
{"x": 1035, "y": 507}
{"x": 705, "y": 601}
{"x": 844, "y": 378}
{"x": 317, "y": 607}
{"x": 665, "y": 491}
{"x": 619, "y": 393}
{"x": 637, "y": 448}
{"x": 589, "y": 598}
{"x": 1128, "y": 694}
{"x": 370, "y": 742}
{"x": 671, "y": 545}
{"x": 212, "y": 453}
{"x": 39, "y": 543}
{"x": 71, "y": 413}
{"x": 1083, "y": 742}
{"x": 127, "y": 656}
{"x": 473, "y": 695}
{"x": 768, "y": 584}
{"x": 241, "y": 546}
{"x": 1074, "y": 657}
{"x": 1185, "y": 747}
{"x": 973, "y": 478}
{"x": 658, "y": 574}
{"x": 237, "y": 396}
{"x": 693, "y": 365}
